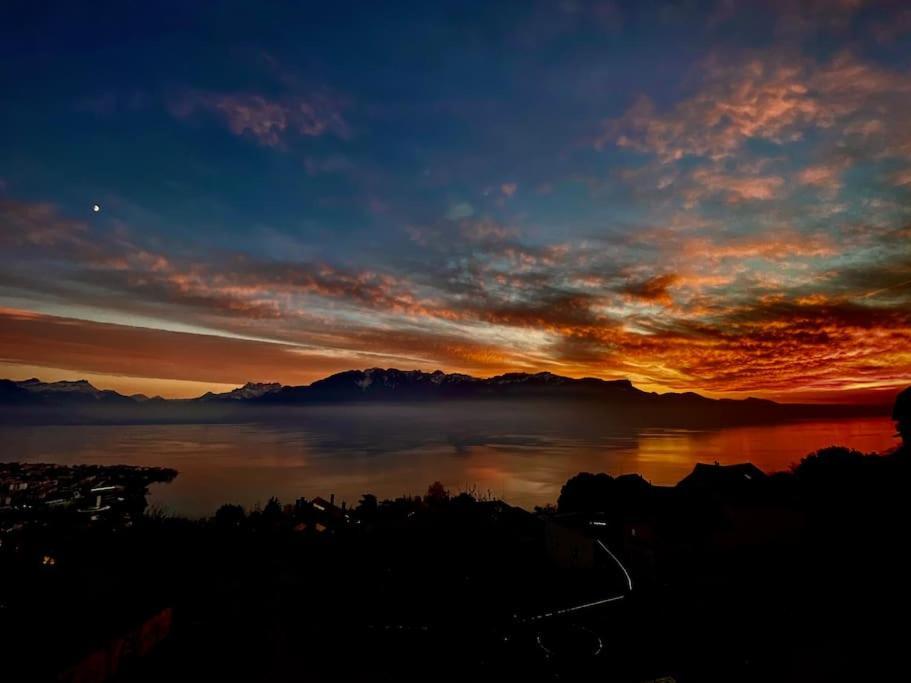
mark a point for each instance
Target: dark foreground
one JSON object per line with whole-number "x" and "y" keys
{"x": 730, "y": 575}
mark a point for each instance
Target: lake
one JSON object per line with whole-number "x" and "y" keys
{"x": 393, "y": 450}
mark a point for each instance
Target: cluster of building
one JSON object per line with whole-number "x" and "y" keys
{"x": 29, "y": 492}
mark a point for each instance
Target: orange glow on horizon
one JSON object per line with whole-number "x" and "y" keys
{"x": 182, "y": 365}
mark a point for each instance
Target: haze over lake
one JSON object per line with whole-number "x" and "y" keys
{"x": 519, "y": 454}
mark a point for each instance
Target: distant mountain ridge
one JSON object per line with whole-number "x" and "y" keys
{"x": 34, "y": 391}
{"x": 249, "y": 391}
{"x": 378, "y": 384}
{"x": 382, "y": 386}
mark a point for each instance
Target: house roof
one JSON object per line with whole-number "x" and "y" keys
{"x": 721, "y": 476}
{"x": 324, "y": 506}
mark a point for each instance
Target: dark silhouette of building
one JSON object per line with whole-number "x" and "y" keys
{"x": 722, "y": 478}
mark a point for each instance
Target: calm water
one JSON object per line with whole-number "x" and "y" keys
{"x": 389, "y": 451}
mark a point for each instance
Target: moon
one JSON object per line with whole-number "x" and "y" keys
{"x": 96, "y": 208}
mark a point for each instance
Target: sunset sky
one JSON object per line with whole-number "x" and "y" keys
{"x": 698, "y": 196}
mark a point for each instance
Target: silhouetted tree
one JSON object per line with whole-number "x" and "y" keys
{"x": 367, "y": 506}
{"x": 830, "y": 466}
{"x": 229, "y": 516}
{"x": 586, "y": 492}
{"x": 272, "y": 513}
{"x": 464, "y": 498}
{"x": 436, "y": 493}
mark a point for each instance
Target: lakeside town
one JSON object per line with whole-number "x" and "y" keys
{"x": 31, "y": 492}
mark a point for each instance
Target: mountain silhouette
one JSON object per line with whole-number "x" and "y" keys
{"x": 77, "y": 401}
{"x": 249, "y": 391}
{"x": 35, "y": 392}
{"x": 377, "y": 384}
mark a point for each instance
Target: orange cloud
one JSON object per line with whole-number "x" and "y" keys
{"x": 656, "y": 289}
{"x": 735, "y": 188}
{"x": 822, "y": 175}
{"x": 774, "y": 99}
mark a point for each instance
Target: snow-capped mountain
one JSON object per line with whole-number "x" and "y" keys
{"x": 68, "y": 391}
{"x": 249, "y": 391}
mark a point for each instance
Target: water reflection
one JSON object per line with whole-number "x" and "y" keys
{"x": 520, "y": 455}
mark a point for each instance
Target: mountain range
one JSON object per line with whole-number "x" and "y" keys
{"x": 381, "y": 386}
{"x": 35, "y": 392}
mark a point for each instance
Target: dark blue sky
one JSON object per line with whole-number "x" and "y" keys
{"x": 699, "y": 195}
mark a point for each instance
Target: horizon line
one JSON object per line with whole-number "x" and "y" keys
{"x": 885, "y": 395}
